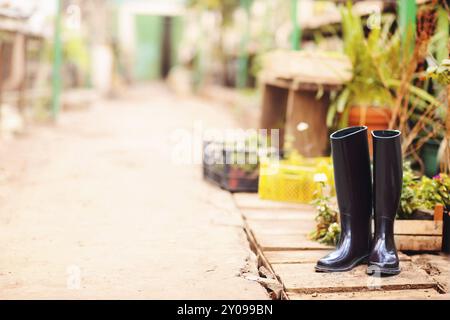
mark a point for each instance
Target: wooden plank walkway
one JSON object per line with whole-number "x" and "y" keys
{"x": 279, "y": 233}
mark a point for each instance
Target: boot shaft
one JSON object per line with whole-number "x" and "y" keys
{"x": 354, "y": 194}
{"x": 387, "y": 186}
{"x": 352, "y": 174}
{"x": 353, "y": 184}
{"x": 387, "y": 174}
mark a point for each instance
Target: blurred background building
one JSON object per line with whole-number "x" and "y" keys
{"x": 64, "y": 53}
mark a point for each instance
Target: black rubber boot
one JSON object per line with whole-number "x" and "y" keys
{"x": 353, "y": 183}
{"x": 387, "y": 185}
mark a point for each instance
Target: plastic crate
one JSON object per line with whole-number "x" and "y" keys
{"x": 294, "y": 180}
{"x": 231, "y": 177}
{"x": 236, "y": 181}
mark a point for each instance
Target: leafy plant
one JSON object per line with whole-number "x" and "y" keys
{"x": 441, "y": 73}
{"x": 379, "y": 61}
{"x": 328, "y": 229}
{"x": 374, "y": 59}
{"x": 431, "y": 191}
{"x": 408, "y": 200}
{"x": 422, "y": 193}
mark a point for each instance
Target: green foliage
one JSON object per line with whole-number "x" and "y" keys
{"x": 431, "y": 191}
{"x": 408, "y": 200}
{"x": 441, "y": 73}
{"x": 378, "y": 62}
{"x": 438, "y": 44}
{"x": 374, "y": 59}
{"x": 328, "y": 228}
{"x": 422, "y": 193}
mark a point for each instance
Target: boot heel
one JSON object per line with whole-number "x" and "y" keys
{"x": 374, "y": 270}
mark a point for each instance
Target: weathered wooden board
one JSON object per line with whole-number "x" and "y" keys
{"x": 437, "y": 266}
{"x": 440, "y": 262}
{"x": 294, "y": 256}
{"x": 252, "y": 201}
{"x": 288, "y": 83}
{"x": 305, "y": 256}
{"x": 280, "y": 214}
{"x": 274, "y": 242}
{"x": 303, "y": 279}
{"x": 418, "y": 243}
{"x": 304, "y": 67}
{"x": 419, "y": 294}
{"x": 418, "y": 227}
{"x": 281, "y": 233}
{"x": 279, "y": 227}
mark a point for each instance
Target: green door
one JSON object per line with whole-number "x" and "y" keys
{"x": 148, "y": 47}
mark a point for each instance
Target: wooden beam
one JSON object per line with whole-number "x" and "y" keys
{"x": 418, "y": 227}
{"x": 418, "y": 243}
{"x": 302, "y": 278}
{"x": 420, "y": 294}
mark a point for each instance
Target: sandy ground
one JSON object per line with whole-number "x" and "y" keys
{"x": 95, "y": 208}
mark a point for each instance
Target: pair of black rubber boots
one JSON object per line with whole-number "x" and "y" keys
{"x": 353, "y": 181}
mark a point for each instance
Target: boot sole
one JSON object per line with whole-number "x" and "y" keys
{"x": 373, "y": 269}
{"x": 357, "y": 262}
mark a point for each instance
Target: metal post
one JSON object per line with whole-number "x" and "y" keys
{"x": 57, "y": 62}
{"x": 296, "y": 33}
{"x": 407, "y": 11}
{"x": 198, "y": 60}
{"x": 243, "y": 58}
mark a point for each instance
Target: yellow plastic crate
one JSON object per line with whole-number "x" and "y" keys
{"x": 295, "y": 180}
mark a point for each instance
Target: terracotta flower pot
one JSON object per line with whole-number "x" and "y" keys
{"x": 375, "y": 118}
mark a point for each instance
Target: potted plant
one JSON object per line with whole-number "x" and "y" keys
{"x": 367, "y": 98}
{"x": 379, "y": 62}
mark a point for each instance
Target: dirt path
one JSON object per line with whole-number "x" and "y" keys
{"x": 96, "y": 209}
